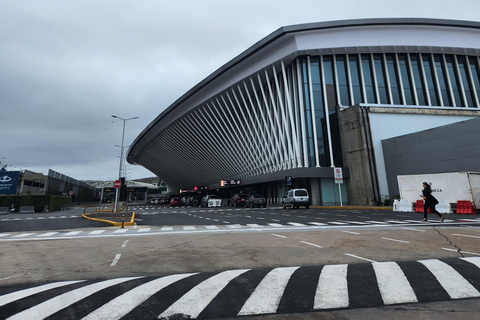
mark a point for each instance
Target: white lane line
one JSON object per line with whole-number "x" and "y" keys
{"x": 254, "y": 225}
{"x": 461, "y": 251}
{"x": 48, "y": 234}
{"x": 455, "y": 285}
{"x": 49, "y": 307}
{"x": 115, "y": 260}
{"x": 421, "y": 230}
{"x": 349, "y": 232}
{"x": 233, "y": 226}
{"x": 195, "y": 300}
{"x": 120, "y": 231}
{"x": 143, "y": 230}
{"x": 339, "y": 223}
{"x": 17, "y": 295}
{"x": 72, "y": 233}
{"x": 278, "y": 235}
{"x": 4, "y": 234}
{"x": 393, "y": 284}
{"x": 465, "y": 235}
{"x": 354, "y": 256}
{"x": 123, "y": 304}
{"x": 377, "y": 222}
{"x": 318, "y": 223}
{"x": 276, "y": 225}
{"x": 166, "y": 229}
{"x": 389, "y": 239}
{"x": 211, "y": 227}
{"x": 189, "y": 228}
{"x": 97, "y": 232}
{"x": 266, "y": 297}
{"x": 311, "y": 244}
{"x": 296, "y": 224}
{"x": 124, "y": 243}
{"x": 332, "y": 288}
{"x": 23, "y": 235}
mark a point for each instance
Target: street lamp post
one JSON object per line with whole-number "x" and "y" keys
{"x": 121, "y": 155}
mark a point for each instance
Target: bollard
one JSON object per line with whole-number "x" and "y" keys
{"x": 123, "y": 220}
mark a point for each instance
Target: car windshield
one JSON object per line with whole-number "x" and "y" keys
{"x": 301, "y": 193}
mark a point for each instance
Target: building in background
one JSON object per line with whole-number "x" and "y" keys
{"x": 312, "y": 97}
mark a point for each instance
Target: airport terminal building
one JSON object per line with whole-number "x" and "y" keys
{"x": 375, "y": 97}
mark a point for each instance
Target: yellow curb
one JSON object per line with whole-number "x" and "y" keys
{"x": 113, "y": 223}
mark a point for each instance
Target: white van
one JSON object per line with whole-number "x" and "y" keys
{"x": 296, "y": 198}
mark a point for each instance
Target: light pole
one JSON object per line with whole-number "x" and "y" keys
{"x": 121, "y": 154}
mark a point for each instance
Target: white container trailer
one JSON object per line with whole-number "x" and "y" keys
{"x": 449, "y": 187}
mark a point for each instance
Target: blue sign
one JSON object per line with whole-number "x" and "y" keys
{"x": 8, "y": 182}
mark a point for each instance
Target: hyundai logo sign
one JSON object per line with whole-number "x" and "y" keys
{"x": 5, "y": 179}
{"x": 8, "y": 182}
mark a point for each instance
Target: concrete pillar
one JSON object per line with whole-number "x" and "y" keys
{"x": 315, "y": 196}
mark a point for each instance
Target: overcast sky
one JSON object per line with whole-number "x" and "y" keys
{"x": 66, "y": 66}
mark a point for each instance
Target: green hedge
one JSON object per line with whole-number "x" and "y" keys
{"x": 39, "y": 202}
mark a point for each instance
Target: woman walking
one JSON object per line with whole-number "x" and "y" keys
{"x": 430, "y": 202}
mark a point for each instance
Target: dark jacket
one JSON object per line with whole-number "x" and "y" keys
{"x": 428, "y": 197}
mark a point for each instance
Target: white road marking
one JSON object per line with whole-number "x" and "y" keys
{"x": 49, "y": 307}
{"x": 211, "y": 227}
{"x": 318, "y": 223}
{"x": 421, "y": 230}
{"x": 166, "y": 229}
{"x": 473, "y": 260}
{"x": 195, "y": 300}
{"x": 22, "y": 235}
{"x": 115, "y": 260}
{"x": 311, "y": 244}
{"x": 254, "y": 225}
{"x": 72, "y": 233}
{"x": 189, "y": 228}
{"x": 465, "y": 235}
{"x": 124, "y": 243}
{"x": 394, "y": 286}
{"x": 354, "y": 256}
{"x": 389, "y": 239}
{"x": 143, "y": 230}
{"x": 14, "y": 296}
{"x": 296, "y": 224}
{"x": 48, "y": 234}
{"x": 97, "y": 232}
{"x": 461, "y": 251}
{"x": 332, "y": 288}
{"x": 349, "y": 232}
{"x": 120, "y": 231}
{"x": 276, "y": 225}
{"x": 123, "y": 304}
{"x": 455, "y": 285}
{"x": 277, "y": 235}
{"x": 267, "y": 295}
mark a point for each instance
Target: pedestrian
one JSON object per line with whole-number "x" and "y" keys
{"x": 430, "y": 202}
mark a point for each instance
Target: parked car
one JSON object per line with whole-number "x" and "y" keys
{"x": 257, "y": 200}
{"x": 296, "y": 198}
{"x": 165, "y": 201}
{"x": 175, "y": 202}
{"x": 154, "y": 201}
{"x": 238, "y": 200}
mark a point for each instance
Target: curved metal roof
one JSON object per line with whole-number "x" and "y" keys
{"x": 291, "y": 41}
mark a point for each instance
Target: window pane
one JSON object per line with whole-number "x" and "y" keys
{"x": 355, "y": 78}
{"x": 319, "y": 108}
{"x": 442, "y": 80}
{"x": 454, "y": 81}
{"x": 405, "y": 72}
{"x": 368, "y": 78}
{"x": 393, "y": 77}
{"x": 417, "y": 76}
{"x": 430, "y": 76}
{"x": 342, "y": 80}
{"x": 381, "y": 82}
{"x": 308, "y": 114}
{"x": 475, "y": 74}
{"x": 462, "y": 66}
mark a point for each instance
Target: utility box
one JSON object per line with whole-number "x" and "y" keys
{"x": 450, "y": 187}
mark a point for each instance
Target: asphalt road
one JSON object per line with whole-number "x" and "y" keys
{"x": 228, "y": 260}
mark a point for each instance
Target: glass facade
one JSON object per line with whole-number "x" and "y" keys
{"x": 284, "y": 116}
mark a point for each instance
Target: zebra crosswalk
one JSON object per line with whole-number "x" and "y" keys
{"x": 244, "y": 292}
{"x": 111, "y": 232}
